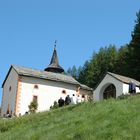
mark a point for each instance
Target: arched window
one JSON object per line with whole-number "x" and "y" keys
{"x": 35, "y": 98}
{"x": 64, "y": 91}
{"x": 36, "y": 87}
{"x": 10, "y": 88}
{"x": 83, "y": 96}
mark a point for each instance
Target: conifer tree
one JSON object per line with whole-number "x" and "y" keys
{"x": 134, "y": 51}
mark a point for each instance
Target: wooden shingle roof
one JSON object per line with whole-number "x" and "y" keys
{"x": 54, "y": 64}
{"x": 44, "y": 74}
{"x": 124, "y": 79}
{"x": 29, "y": 72}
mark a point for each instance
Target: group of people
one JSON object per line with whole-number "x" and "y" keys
{"x": 70, "y": 100}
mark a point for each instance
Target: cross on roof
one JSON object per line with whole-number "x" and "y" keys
{"x": 55, "y": 44}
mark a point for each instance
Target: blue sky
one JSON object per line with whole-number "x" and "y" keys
{"x": 28, "y": 29}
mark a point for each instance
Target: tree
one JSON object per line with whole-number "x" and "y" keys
{"x": 83, "y": 74}
{"x": 74, "y": 72}
{"x": 134, "y": 51}
{"x": 121, "y": 66}
{"x": 104, "y": 60}
{"x": 69, "y": 71}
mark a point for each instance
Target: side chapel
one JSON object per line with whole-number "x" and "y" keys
{"x": 23, "y": 85}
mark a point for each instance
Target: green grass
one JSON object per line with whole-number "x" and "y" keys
{"x": 107, "y": 120}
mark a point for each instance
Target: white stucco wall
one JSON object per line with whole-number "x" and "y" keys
{"x": 9, "y": 97}
{"x": 98, "y": 92}
{"x": 126, "y": 88}
{"x": 137, "y": 89}
{"x": 47, "y": 93}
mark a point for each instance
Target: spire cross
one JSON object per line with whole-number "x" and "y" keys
{"x": 55, "y": 44}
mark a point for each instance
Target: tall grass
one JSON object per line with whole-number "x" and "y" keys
{"x": 107, "y": 120}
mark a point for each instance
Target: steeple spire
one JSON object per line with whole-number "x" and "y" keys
{"x": 54, "y": 64}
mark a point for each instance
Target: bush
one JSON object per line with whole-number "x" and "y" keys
{"x": 33, "y": 106}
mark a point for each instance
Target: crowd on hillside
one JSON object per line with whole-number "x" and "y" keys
{"x": 74, "y": 99}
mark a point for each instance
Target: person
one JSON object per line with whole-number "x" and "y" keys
{"x": 73, "y": 99}
{"x": 61, "y": 102}
{"x": 132, "y": 87}
{"x": 67, "y": 100}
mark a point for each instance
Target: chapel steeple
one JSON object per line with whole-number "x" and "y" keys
{"x": 54, "y": 64}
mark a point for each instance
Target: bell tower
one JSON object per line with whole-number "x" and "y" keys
{"x": 54, "y": 64}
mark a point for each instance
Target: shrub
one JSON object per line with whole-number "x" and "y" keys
{"x": 33, "y": 106}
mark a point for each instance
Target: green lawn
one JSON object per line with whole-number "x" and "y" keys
{"x": 107, "y": 120}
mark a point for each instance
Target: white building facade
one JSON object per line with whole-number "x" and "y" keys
{"x": 113, "y": 85}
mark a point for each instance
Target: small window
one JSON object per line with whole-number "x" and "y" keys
{"x": 36, "y": 86}
{"x": 10, "y": 88}
{"x": 64, "y": 91}
{"x": 83, "y": 96}
{"x": 34, "y": 98}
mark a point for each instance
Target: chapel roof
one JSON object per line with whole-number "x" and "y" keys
{"x": 60, "y": 77}
{"x": 44, "y": 74}
{"x": 124, "y": 79}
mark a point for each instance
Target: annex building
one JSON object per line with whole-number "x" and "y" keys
{"x": 113, "y": 85}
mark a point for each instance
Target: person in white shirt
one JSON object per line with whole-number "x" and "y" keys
{"x": 73, "y": 99}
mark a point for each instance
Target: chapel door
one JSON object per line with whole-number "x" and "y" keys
{"x": 110, "y": 92}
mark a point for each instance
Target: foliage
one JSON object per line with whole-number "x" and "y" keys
{"x": 133, "y": 59}
{"x": 107, "y": 120}
{"x": 33, "y": 106}
{"x": 99, "y": 64}
{"x": 74, "y": 72}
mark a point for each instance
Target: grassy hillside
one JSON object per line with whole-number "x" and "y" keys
{"x": 107, "y": 120}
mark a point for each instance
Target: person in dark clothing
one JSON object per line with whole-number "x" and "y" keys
{"x": 132, "y": 87}
{"x": 61, "y": 102}
{"x": 67, "y": 100}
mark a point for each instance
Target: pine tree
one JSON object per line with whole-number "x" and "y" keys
{"x": 100, "y": 62}
{"x": 134, "y": 51}
{"x": 121, "y": 62}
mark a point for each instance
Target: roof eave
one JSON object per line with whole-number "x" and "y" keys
{"x": 33, "y": 76}
{"x": 8, "y": 74}
{"x": 119, "y": 79}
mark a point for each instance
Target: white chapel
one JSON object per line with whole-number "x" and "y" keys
{"x": 23, "y": 85}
